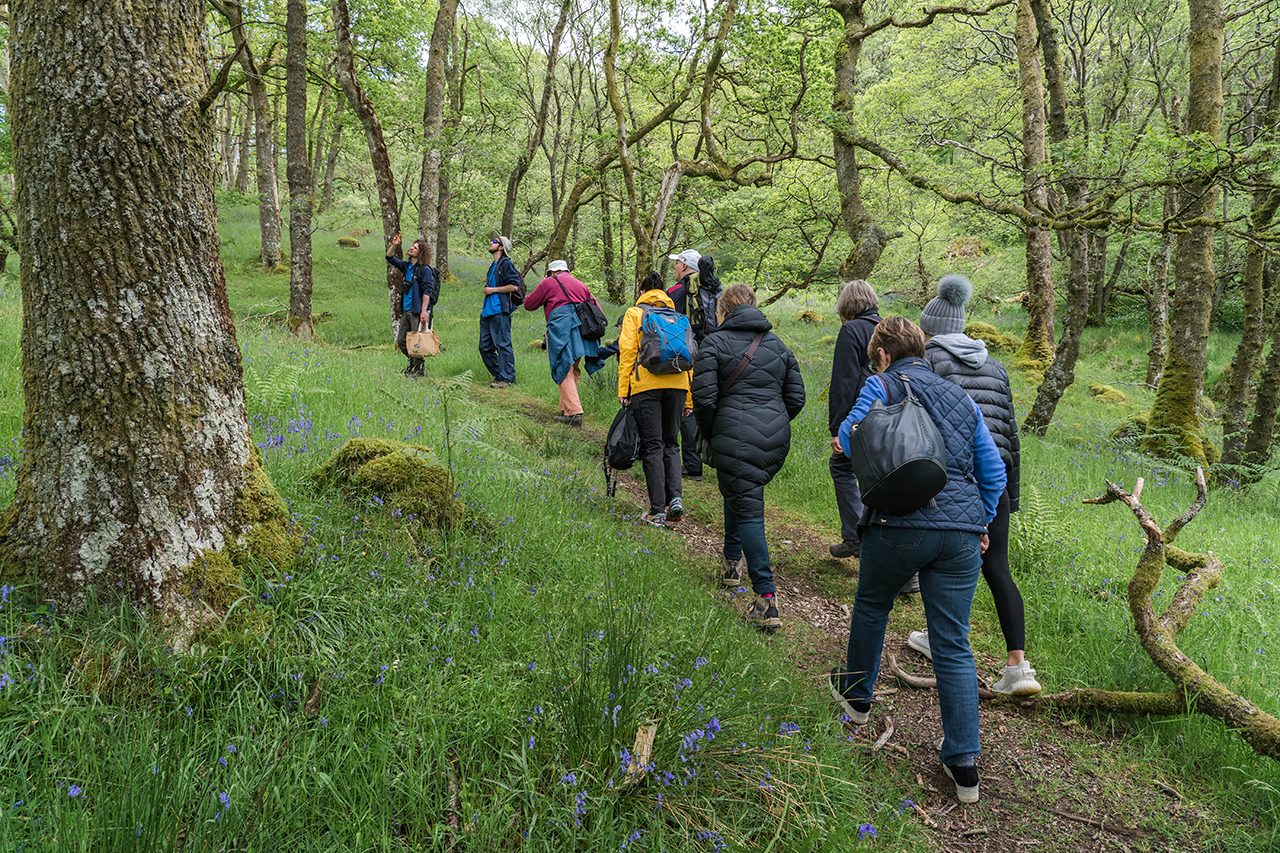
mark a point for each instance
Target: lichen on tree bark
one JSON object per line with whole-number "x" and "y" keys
{"x": 137, "y": 460}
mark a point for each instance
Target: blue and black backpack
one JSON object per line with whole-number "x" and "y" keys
{"x": 666, "y": 341}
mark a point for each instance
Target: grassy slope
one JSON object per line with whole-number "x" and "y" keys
{"x": 486, "y": 686}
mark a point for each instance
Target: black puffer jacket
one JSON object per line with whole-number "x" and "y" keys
{"x": 750, "y": 422}
{"x": 965, "y": 362}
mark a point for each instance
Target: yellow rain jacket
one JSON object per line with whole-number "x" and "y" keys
{"x": 633, "y": 378}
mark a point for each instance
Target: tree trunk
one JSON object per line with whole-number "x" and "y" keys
{"x": 316, "y": 140}
{"x": 1037, "y": 346}
{"x": 345, "y": 72}
{"x": 612, "y": 283}
{"x": 1174, "y": 425}
{"x": 1257, "y": 444}
{"x": 299, "y": 167}
{"x": 331, "y": 160}
{"x": 1241, "y": 387}
{"x": 525, "y": 159}
{"x": 242, "y": 162}
{"x": 433, "y": 129}
{"x": 264, "y": 135}
{"x": 1157, "y": 296}
{"x": 138, "y": 476}
{"x": 869, "y": 239}
{"x": 1062, "y": 372}
{"x": 1097, "y": 315}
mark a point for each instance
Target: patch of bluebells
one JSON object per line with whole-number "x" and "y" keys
{"x": 866, "y": 831}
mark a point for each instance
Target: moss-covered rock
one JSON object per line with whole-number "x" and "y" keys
{"x": 1131, "y": 430}
{"x": 808, "y": 315}
{"x": 407, "y": 478}
{"x": 1108, "y": 394}
{"x": 996, "y": 341}
{"x": 827, "y": 340}
{"x": 349, "y": 242}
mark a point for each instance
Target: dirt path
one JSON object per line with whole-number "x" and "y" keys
{"x": 1049, "y": 783}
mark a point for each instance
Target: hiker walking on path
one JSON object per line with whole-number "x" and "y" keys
{"x": 857, "y": 307}
{"x": 747, "y": 389}
{"x": 556, "y": 295}
{"x": 660, "y": 400}
{"x": 503, "y": 286}
{"x": 943, "y": 541}
{"x": 955, "y": 356}
{"x": 418, "y": 297}
{"x": 686, "y": 275}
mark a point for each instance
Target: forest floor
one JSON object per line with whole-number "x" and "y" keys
{"x": 1049, "y": 781}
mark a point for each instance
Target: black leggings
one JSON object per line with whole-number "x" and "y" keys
{"x": 995, "y": 570}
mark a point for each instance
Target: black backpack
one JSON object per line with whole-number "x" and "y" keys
{"x": 621, "y": 447}
{"x": 703, "y": 298}
{"x": 898, "y": 455}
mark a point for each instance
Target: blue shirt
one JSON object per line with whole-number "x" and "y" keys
{"x": 492, "y": 302}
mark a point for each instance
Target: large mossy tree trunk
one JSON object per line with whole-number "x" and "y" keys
{"x": 1037, "y": 346}
{"x": 869, "y": 239}
{"x": 1173, "y": 427}
{"x": 299, "y": 171}
{"x": 138, "y": 476}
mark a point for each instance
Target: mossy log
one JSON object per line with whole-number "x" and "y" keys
{"x": 1193, "y": 688}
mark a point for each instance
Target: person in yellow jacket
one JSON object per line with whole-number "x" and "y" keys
{"x": 659, "y": 401}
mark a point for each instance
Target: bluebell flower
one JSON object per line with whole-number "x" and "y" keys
{"x": 75, "y": 791}
{"x": 866, "y": 831}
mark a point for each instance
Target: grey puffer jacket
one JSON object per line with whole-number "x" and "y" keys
{"x": 749, "y": 423}
{"x": 964, "y": 361}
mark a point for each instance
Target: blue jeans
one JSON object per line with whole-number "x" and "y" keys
{"x": 495, "y": 347}
{"x": 745, "y": 536}
{"x": 949, "y": 562}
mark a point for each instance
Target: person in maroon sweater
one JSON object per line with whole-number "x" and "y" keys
{"x": 556, "y": 295}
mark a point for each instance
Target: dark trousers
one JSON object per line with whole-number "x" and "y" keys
{"x": 689, "y": 457}
{"x": 658, "y": 421}
{"x": 409, "y": 323}
{"x": 495, "y": 347}
{"x": 995, "y": 571}
{"x": 745, "y": 537}
{"x": 848, "y": 496}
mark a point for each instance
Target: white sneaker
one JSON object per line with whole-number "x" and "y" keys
{"x": 919, "y": 640}
{"x": 1018, "y": 680}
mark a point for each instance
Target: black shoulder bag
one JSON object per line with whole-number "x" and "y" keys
{"x": 898, "y": 455}
{"x": 591, "y": 321}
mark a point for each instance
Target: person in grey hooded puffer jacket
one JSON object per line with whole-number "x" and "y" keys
{"x": 964, "y": 361}
{"x": 746, "y": 389}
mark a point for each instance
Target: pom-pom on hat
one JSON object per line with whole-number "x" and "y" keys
{"x": 944, "y": 315}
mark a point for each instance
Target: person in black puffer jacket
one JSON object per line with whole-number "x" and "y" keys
{"x": 747, "y": 418}
{"x": 857, "y": 306}
{"x": 955, "y": 356}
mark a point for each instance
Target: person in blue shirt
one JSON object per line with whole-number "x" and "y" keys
{"x": 418, "y": 297}
{"x": 502, "y": 289}
{"x": 942, "y": 541}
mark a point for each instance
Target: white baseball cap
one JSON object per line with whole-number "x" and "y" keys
{"x": 688, "y": 256}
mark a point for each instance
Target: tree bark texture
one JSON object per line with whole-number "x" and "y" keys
{"x": 331, "y": 159}
{"x": 242, "y": 162}
{"x": 138, "y": 476}
{"x": 1261, "y": 435}
{"x": 1174, "y": 425}
{"x": 299, "y": 171}
{"x": 1037, "y": 346}
{"x": 345, "y": 72}
{"x": 433, "y": 129}
{"x": 1157, "y": 295}
{"x": 869, "y": 239}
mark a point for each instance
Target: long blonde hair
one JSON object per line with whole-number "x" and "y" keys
{"x": 733, "y": 296}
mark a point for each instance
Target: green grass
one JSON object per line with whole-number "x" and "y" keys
{"x": 485, "y": 688}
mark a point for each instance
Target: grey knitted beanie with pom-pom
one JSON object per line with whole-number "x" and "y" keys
{"x": 944, "y": 315}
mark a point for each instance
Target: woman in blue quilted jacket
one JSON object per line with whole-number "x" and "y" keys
{"x": 943, "y": 541}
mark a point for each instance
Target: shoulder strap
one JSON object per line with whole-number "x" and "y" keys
{"x": 742, "y": 365}
{"x": 564, "y": 290}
